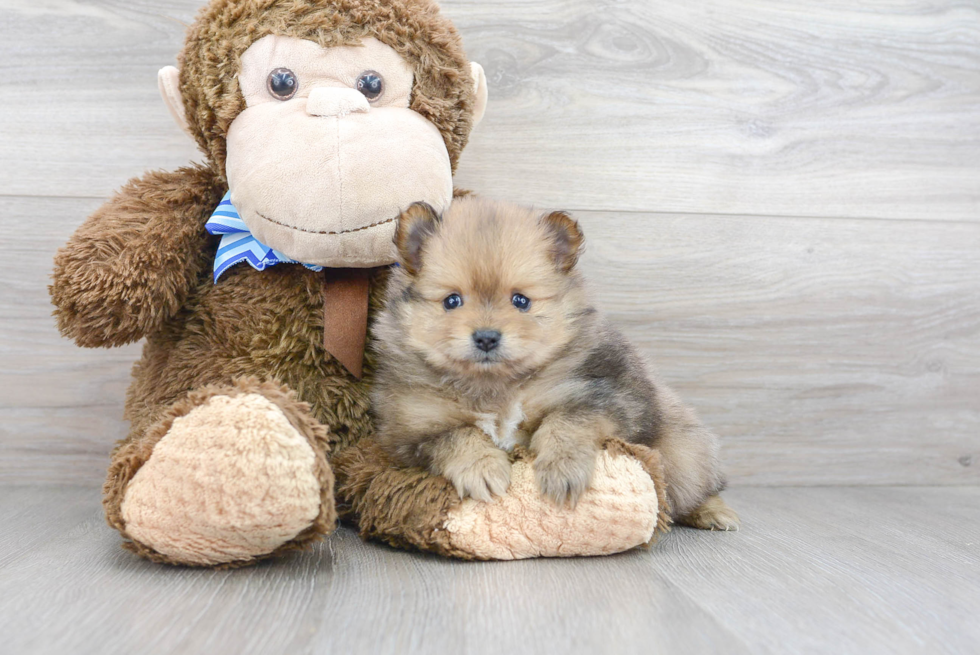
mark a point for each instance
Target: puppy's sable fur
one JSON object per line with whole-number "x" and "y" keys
{"x": 488, "y": 341}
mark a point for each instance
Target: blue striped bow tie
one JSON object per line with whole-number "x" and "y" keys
{"x": 238, "y": 245}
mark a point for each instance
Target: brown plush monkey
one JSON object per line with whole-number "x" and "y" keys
{"x": 320, "y": 121}
{"x": 324, "y": 118}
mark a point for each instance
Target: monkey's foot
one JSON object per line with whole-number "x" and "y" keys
{"x": 231, "y": 480}
{"x": 624, "y": 507}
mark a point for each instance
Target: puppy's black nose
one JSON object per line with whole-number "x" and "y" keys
{"x": 486, "y": 340}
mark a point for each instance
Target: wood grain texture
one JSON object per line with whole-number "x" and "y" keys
{"x": 90, "y": 116}
{"x": 729, "y": 106}
{"x": 824, "y": 351}
{"x": 759, "y": 107}
{"x": 60, "y": 405}
{"x": 840, "y": 351}
{"x": 847, "y": 570}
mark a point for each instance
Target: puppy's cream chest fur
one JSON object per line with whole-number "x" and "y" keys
{"x": 504, "y": 426}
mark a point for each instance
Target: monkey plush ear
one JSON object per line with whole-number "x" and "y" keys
{"x": 480, "y": 88}
{"x": 415, "y": 225}
{"x": 168, "y": 81}
{"x": 566, "y": 239}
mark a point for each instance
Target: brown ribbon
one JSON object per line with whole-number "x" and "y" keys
{"x": 345, "y": 311}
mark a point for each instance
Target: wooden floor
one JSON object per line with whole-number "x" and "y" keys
{"x": 813, "y": 570}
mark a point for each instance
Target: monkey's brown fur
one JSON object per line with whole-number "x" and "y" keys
{"x": 141, "y": 265}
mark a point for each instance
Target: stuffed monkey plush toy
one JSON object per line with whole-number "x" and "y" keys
{"x": 253, "y": 278}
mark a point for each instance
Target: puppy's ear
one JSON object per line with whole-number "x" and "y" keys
{"x": 415, "y": 225}
{"x": 566, "y": 239}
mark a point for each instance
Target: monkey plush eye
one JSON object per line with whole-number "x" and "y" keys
{"x": 520, "y": 301}
{"x": 282, "y": 83}
{"x": 452, "y": 301}
{"x": 371, "y": 85}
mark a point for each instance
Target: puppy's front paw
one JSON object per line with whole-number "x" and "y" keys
{"x": 483, "y": 477}
{"x": 564, "y": 477}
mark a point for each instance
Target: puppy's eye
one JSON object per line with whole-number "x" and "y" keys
{"x": 282, "y": 84}
{"x": 371, "y": 85}
{"x": 520, "y": 301}
{"x": 452, "y": 301}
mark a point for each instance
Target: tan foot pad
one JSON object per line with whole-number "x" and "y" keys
{"x": 624, "y": 508}
{"x": 231, "y": 480}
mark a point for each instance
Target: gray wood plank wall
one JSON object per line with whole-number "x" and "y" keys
{"x": 782, "y": 200}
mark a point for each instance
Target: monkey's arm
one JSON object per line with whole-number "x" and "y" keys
{"x": 129, "y": 267}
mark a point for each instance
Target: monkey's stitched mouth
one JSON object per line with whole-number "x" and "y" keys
{"x": 300, "y": 229}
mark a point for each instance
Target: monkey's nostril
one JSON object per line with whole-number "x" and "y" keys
{"x": 486, "y": 340}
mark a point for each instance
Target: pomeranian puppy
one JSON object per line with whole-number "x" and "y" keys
{"x": 488, "y": 340}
